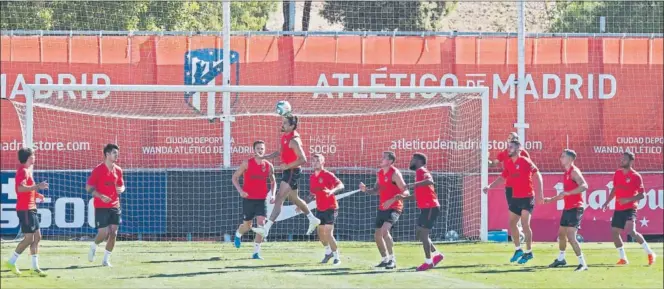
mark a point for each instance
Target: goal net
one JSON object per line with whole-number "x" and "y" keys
{"x": 178, "y": 187}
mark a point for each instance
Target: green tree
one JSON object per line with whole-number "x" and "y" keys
{"x": 132, "y": 15}
{"x": 621, "y": 16}
{"x": 387, "y": 15}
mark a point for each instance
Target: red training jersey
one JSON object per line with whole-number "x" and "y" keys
{"x": 105, "y": 181}
{"x": 255, "y": 179}
{"x": 520, "y": 175}
{"x": 425, "y": 196}
{"x": 288, "y": 154}
{"x": 387, "y": 189}
{"x": 25, "y": 200}
{"x": 505, "y": 155}
{"x": 576, "y": 200}
{"x": 320, "y": 181}
{"x": 627, "y": 185}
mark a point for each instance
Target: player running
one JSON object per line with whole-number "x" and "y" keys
{"x": 255, "y": 172}
{"x": 574, "y": 185}
{"x": 389, "y": 184}
{"x": 323, "y": 185}
{"x": 519, "y": 170}
{"x": 26, "y": 211}
{"x": 292, "y": 158}
{"x": 628, "y": 190}
{"x": 106, "y": 184}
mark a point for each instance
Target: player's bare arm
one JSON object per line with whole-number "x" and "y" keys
{"x": 499, "y": 181}
{"x": 608, "y": 199}
{"x": 272, "y": 155}
{"x": 640, "y": 195}
{"x": 91, "y": 190}
{"x": 119, "y": 187}
{"x": 493, "y": 163}
{"x": 397, "y": 178}
{"x": 25, "y": 188}
{"x": 235, "y": 179}
{"x": 337, "y": 189}
{"x": 539, "y": 188}
{"x": 296, "y": 144}
{"x": 371, "y": 191}
{"x": 427, "y": 181}
{"x": 273, "y": 183}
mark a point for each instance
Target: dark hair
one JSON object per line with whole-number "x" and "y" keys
{"x": 421, "y": 157}
{"x": 319, "y": 156}
{"x": 570, "y": 153}
{"x": 390, "y": 155}
{"x": 257, "y": 143}
{"x": 514, "y": 135}
{"x": 24, "y": 154}
{"x": 110, "y": 147}
{"x": 630, "y": 155}
{"x": 292, "y": 120}
{"x": 516, "y": 142}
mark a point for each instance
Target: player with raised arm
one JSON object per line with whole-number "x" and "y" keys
{"x": 106, "y": 184}
{"x": 519, "y": 170}
{"x": 26, "y": 211}
{"x": 323, "y": 185}
{"x": 292, "y": 158}
{"x": 570, "y": 222}
{"x": 255, "y": 173}
{"x": 628, "y": 190}
{"x": 389, "y": 184}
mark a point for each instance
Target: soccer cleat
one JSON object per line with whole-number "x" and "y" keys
{"x": 424, "y": 267}
{"x": 516, "y": 256}
{"x": 391, "y": 265}
{"x": 557, "y": 263}
{"x": 13, "y": 268}
{"x": 382, "y": 264}
{"x": 260, "y": 231}
{"x": 38, "y": 272}
{"x": 237, "y": 242}
{"x": 651, "y": 259}
{"x": 336, "y": 262}
{"x": 256, "y": 256}
{"x": 525, "y": 257}
{"x": 91, "y": 254}
{"x": 622, "y": 262}
{"x": 327, "y": 258}
{"x": 106, "y": 264}
{"x": 437, "y": 259}
{"x": 581, "y": 268}
{"x": 313, "y": 223}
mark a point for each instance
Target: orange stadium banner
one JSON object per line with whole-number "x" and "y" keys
{"x": 597, "y": 95}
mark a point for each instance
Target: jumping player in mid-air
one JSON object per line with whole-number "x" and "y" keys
{"x": 389, "y": 184}
{"x": 26, "y": 211}
{"x": 292, "y": 158}
{"x": 573, "y": 187}
{"x": 628, "y": 189}
{"x": 323, "y": 185}
{"x": 106, "y": 184}
{"x": 255, "y": 173}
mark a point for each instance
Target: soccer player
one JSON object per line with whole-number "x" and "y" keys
{"x": 255, "y": 172}
{"x": 106, "y": 184}
{"x": 427, "y": 202}
{"x": 323, "y": 185}
{"x": 389, "y": 184}
{"x": 292, "y": 158}
{"x": 627, "y": 189}
{"x": 573, "y": 187}
{"x": 26, "y": 210}
{"x": 519, "y": 171}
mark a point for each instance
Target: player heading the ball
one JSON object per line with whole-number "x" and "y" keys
{"x": 570, "y": 222}
{"x": 292, "y": 158}
{"x": 255, "y": 173}
{"x": 106, "y": 184}
{"x": 26, "y": 211}
{"x": 389, "y": 184}
{"x": 323, "y": 185}
{"x": 627, "y": 189}
{"x": 519, "y": 170}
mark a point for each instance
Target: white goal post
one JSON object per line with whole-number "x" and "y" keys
{"x": 185, "y": 156}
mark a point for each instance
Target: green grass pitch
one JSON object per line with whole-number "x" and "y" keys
{"x": 295, "y": 265}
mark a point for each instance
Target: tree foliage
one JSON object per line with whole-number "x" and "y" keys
{"x": 132, "y": 15}
{"x": 387, "y": 15}
{"x": 621, "y": 16}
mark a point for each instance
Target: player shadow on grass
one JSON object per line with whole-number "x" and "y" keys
{"x": 176, "y": 275}
{"x": 259, "y": 266}
{"x": 183, "y": 260}
{"x": 71, "y": 267}
{"x": 515, "y": 270}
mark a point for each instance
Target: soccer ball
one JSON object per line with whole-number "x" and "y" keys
{"x": 451, "y": 236}
{"x": 283, "y": 108}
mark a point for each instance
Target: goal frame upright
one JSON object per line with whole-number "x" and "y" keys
{"x": 226, "y": 118}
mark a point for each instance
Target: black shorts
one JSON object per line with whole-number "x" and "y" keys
{"x": 327, "y": 217}
{"x": 107, "y": 216}
{"x": 571, "y": 218}
{"x": 253, "y": 208}
{"x": 519, "y": 204}
{"x": 428, "y": 217}
{"x": 620, "y": 218}
{"x": 388, "y": 216}
{"x": 291, "y": 177}
{"x": 28, "y": 220}
{"x": 508, "y": 195}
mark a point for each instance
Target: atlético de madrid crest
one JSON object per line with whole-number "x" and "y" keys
{"x": 627, "y": 180}
{"x": 320, "y": 180}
